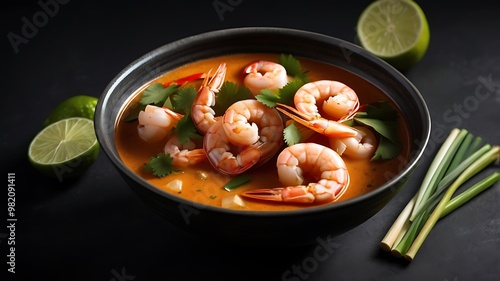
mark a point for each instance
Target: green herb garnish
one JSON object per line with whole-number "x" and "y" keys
{"x": 160, "y": 165}
{"x": 285, "y": 95}
{"x": 291, "y": 134}
{"x": 236, "y": 181}
{"x": 157, "y": 94}
{"x": 268, "y": 98}
{"x": 386, "y": 149}
{"x": 293, "y": 67}
{"x": 383, "y": 119}
{"x": 183, "y": 100}
{"x": 186, "y": 130}
{"x": 228, "y": 94}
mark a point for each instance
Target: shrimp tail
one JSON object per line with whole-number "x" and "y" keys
{"x": 188, "y": 158}
{"x": 230, "y": 164}
{"x": 202, "y": 113}
{"x": 253, "y": 67}
{"x": 303, "y": 194}
{"x": 266, "y": 194}
{"x": 325, "y": 127}
{"x": 173, "y": 114}
{"x": 292, "y": 194}
{"x": 306, "y": 160}
{"x": 214, "y": 83}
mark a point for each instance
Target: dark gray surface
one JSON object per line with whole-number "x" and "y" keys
{"x": 95, "y": 228}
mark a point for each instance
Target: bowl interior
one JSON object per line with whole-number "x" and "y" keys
{"x": 315, "y": 46}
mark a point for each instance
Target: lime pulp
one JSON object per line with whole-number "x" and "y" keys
{"x": 394, "y": 30}
{"x": 64, "y": 149}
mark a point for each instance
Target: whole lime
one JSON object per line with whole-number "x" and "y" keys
{"x": 76, "y": 106}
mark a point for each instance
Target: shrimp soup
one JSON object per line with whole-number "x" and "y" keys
{"x": 202, "y": 183}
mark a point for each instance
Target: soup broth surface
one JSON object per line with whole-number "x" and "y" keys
{"x": 203, "y": 184}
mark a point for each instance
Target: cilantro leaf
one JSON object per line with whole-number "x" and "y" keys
{"x": 285, "y": 95}
{"x": 293, "y": 67}
{"x": 268, "y": 98}
{"x": 288, "y": 91}
{"x": 291, "y": 64}
{"x": 186, "y": 130}
{"x": 291, "y": 134}
{"x": 160, "y": 165}
{"x": 228, "y": 94}
{"x": 157, "y": 94}
{"x": 184, "y": 99}
{"x": 168, "y": 103}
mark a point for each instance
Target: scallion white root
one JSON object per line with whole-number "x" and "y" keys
{"x": 391, "y": 237}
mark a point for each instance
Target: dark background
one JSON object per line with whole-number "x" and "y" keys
{"x": 95, "y": 228}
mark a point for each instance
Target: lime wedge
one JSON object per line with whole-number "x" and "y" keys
{"x": 64, "y": 149}
{"x": 394, "y": 30}
{"x": 76, "y": 106}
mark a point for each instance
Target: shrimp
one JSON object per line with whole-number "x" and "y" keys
{"x": 220, "y": 154}
{"x": 310, "y": 172}
{"x": 264, "y": 75}
{"x": 156, "y": 122}
{"x": 361, "y": 146}
{"x": 184, "y": 154}
{"x": 201, "y": 111}
{"x": 329, "y": 128}
{"x": 338, "y": 100}
{"x": 248, "y": 121}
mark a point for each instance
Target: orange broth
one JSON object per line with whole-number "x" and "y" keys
{"x": 365, "y": 175}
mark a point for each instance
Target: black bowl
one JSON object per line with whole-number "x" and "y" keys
{"x": 264, "y": 228}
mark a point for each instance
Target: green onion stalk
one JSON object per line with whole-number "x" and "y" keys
{"x": 485, "y": 160}
{"x": 460, "y": 157}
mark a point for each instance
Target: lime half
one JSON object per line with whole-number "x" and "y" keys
{"x": 64, "y": 149}
{"x": 76, "y": 106}
{"x": 394, "y": 30}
